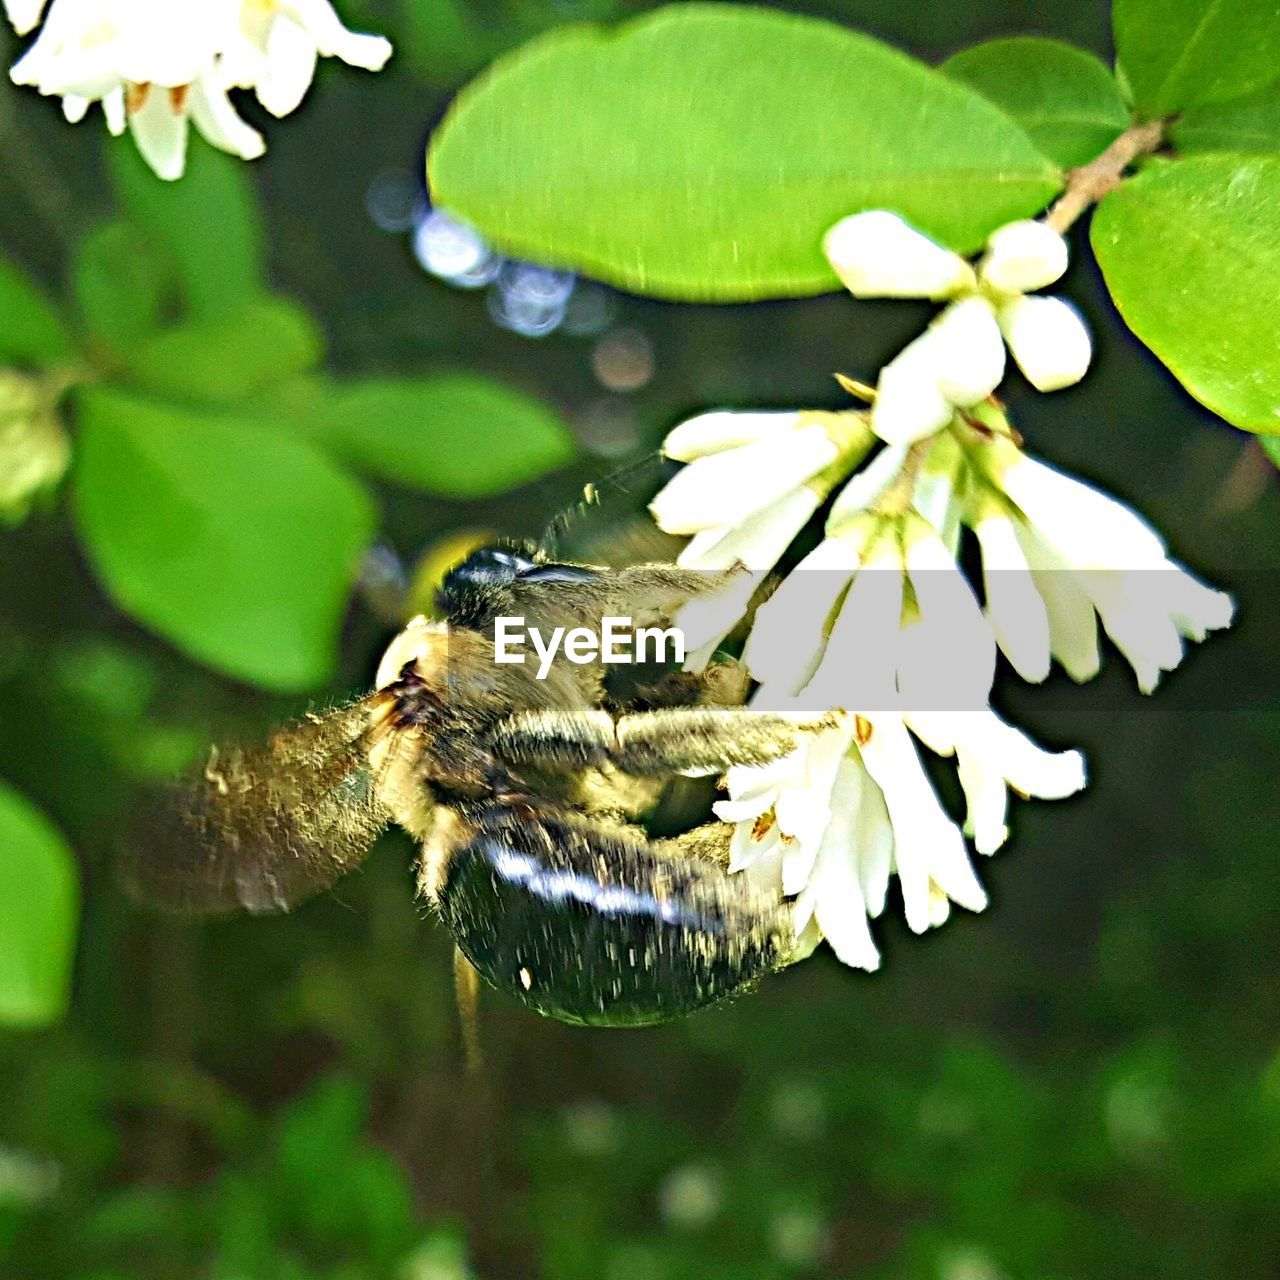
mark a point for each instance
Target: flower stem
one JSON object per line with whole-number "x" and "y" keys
{"x": 1088, "y": 184}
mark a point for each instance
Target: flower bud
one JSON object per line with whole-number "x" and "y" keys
{"x": 968, "y": 351}
{"x": 1049, "y": 340}
{"x": 1023, "y": 256}
{"x": 34, "y": 449}
{"x": 909, "y": 405}
{"x": 877, "y": 255}
{"x": 723, "y": 429}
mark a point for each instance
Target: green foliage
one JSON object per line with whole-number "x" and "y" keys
{"x": 700, "y": 152}
{"x": 1191, "y": 254}
{"x": 31, "y": 331}
{"x": 208, "y": 223}
{"x": 446, "y": 40}
{"x": 39, "y": 905}
{"x": 1175, "y": 54}
{"x": 122, "y": 286}
{"x": 1251, "y": 123}
{"x": 1066, "y": 100}
{"x": 244, "y": 350}
{"x": 454, "y": 434}
{"x": 237, "y": 543}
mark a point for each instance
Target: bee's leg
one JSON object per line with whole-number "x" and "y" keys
{"x": 466, "y": 990}
{"x": 724, "y": 683}
{"x": 695, "y": 740}
{"x": 707, "y": 843}
{"x": 704, "y": 740}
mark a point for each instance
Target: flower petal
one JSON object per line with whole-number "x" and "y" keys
{"x": 968, "y": 352}
{"x": 1022, "y": 256}
{"x": 866, "y": 486}
{"x": 23, "y": 14}
{"x": 1088, "y": 529}
{"x": 723, "y": 429}
{"x": 160, "y": 133}
{"x": 877, "y": 255}
{"x": 909, "y": 404}
{"x": 1135, "y": 614}
{"x": 1015, "y": 608}
{"x": 288, "y": 69}
{"x": 934, "y": 494}
{"x": 757, "y": 545}
{"x": 928, "y": 846}
{"x": 725, "y": 488}
{"x": 873, "y": 837}
{"x": 332, "y": 39}
{"x": 113, "y": 110}
{"x": 1049, "y": 340}
{"x": 1073, "y": 630}
{"x": 947, "y": 659}
{"x": 789, "y": 633}
{"x": 858, "y": 667}
{"x": 1195, "y": 608}
{"x": 840, "y": 904}
{"x": 218, "y": 121}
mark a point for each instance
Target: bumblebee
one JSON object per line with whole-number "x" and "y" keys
{"x": 524, "y": 795}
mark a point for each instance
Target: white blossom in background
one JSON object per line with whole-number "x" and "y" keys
{"x": 1082, "y": 553}
{"x": 959, "y": 360}
{"x": 157, "y": 66}
{"x": 879, "y": 620}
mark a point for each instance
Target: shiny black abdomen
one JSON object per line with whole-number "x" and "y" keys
{"x": 590, "y": 925}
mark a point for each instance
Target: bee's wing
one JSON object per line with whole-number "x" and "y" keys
{"x": 262, "y": 828}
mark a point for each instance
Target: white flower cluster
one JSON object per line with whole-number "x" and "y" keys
{"x": 959, "y": 360}
{"x": 880, "y": 620}
{"x": 157, "y": 64}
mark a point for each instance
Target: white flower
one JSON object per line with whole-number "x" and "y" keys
{"x": 959, "y": 360}
{"x": 732, "y": 475}
{"x": 23, "y": 14}
{"x": 751, "y": 484}
{"x": 155, "y": 65}
{"x": 878, "y": 255}
{"x": 929, "y": 852}
{"x": 830, "y": 823}
{"x": 993, "y": 758}
{"x": 1084, "y": 551}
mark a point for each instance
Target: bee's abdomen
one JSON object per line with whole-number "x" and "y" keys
{"x": 594, "y": 927}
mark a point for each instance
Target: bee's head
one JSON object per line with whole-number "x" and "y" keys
{"x": 468, "y": 589}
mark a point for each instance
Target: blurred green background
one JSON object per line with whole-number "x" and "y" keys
{"x": 1082, "y": 1082}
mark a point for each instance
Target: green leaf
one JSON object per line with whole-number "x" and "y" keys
{"x": 700, "y": 152}
{"x": 454, "y": 434}
{"x": 1191, "y": 254}
{"x": 236, "y": 542}
{"x": 31, "y": 331}
{"x": 1067, "y": 101}
{"x": 233, "y": 356}
{"x": 122, "y": 286}
{"x": 209, "y": 222}
{"x": 39, "y": 907}
{"x": 1251, "y": 123}
{"x": 1175, "y": 54}
{"x": 1271, "y": 445}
